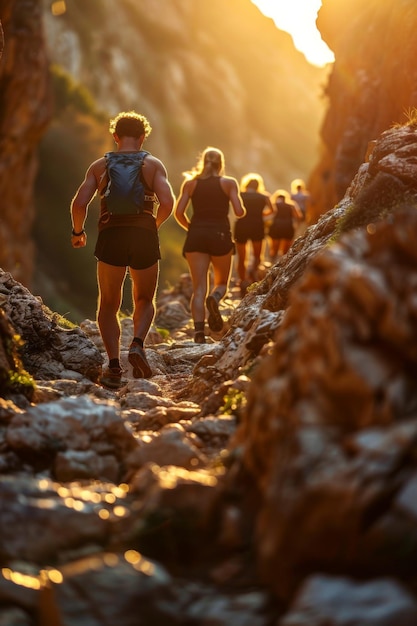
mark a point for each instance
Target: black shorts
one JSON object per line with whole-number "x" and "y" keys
{"x": 281, "y": 230}
{"x": 246, "y": 232}
{"x": 212, "y": 240}
{"x": 126, "y": 246}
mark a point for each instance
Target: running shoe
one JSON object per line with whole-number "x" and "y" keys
{"x": 112, "y": 378}
{"x": 215, "y": 320}
{"x": 199, "y": 337}
{"x": 139, "y": 362}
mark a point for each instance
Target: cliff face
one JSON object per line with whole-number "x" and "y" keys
{"x": 204, "y": 73}
{"x": 24, "y": 112}
{"x": 373, "y": 85}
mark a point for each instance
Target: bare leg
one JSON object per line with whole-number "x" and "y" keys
{"x": 257, "y": 251}
{"x": 110, "y": 282}
{"x": 241, "y": 260}
{"x": 199, "y": 264}
{"x": 144, "y": 283}
{"x": 273, "y": 249}
{"x": 222, "y": 266}
{"x": 285, "y": 245}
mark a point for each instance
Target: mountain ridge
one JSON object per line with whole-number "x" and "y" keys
{"x": 201, "y": 72}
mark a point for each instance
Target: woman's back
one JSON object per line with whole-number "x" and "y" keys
{"x": 284, "y": 211}
{"x": 254, "y": 204}
{"x": 210, "y": 202}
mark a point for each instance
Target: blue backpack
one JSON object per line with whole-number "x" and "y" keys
{"x": 125, "y": 191}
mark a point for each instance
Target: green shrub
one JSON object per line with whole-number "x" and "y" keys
{"x": 68, "y": 93}
{"x": 234, "y": 401}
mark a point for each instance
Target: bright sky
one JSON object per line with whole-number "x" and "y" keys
{"x": 298, "y": 18}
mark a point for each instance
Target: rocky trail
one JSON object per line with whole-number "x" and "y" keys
{"x": 88, "y": 476}
{"x": 265, "y": 478}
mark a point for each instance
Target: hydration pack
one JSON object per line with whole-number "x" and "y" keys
{"x": 125, "y": 191}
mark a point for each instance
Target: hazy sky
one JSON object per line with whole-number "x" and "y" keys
{"x": 298, "y": 18}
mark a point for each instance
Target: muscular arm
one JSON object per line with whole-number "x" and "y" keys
{"x": 156, "y": 177}
{"x": 80, "y": 202}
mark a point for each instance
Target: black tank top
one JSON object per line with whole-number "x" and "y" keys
{"x": 254, "y": 204}
{"x": 284, "y": 212}
{"x": 210, "y": 203}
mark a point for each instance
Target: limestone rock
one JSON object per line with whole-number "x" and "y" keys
{"x": 358, "y": 109}
{"x": 24, "y": 88}
{"x": 342, "y": 601}
{"x": 72, "y": 425}
{"x": 170, "y": 446}
{"x": 343, "y": 366}
{"x": 49, "y": 349}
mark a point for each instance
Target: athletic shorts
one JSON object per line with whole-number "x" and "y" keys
{"x": 282, "y": 229}
{"x": 212, "y": 240}
{"x": 244, "y": 232}
{"x": 125, "y": 246}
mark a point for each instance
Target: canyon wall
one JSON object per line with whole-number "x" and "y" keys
{"x": 24, "y": 112}
{"x": 372, "y": 86}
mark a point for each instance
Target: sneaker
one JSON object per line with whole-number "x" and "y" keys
{"x": 215, "y": 320}
{"x": 139, "y": 362}
{"x": 199, "y": 337}
{"x": 112, "y": 378}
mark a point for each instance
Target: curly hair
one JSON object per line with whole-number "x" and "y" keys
{"x": 130, "y": 124}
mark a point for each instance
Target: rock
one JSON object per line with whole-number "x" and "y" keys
{"x": 172, "y": 315}
{"x": 358, "y": 111}
{"x": 25, "y": 89}
{"x": 114, "y": 583}
{"x": 48, "y": 349}
{"x": 74, "y": 465}
{"x": 171, "y": 446}
{"x": 340, "y": 371}
{"x": 342, "y": 602}
{"x": 76, "y": 425}
{"x": 14, "y": 380}
{"x": 38, "y": 522}
{"x": 159, "y": 416}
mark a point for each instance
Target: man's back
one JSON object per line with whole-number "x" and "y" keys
{"x": 125, "y": 190}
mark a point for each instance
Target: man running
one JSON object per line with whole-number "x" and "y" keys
{"x": 127, "y": 241}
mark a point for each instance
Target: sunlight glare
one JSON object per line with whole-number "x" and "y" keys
{"x": 58, "y": 8}
{"x": 298, "y": 18}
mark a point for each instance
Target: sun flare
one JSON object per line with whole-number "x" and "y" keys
{"x": 298, "y": 18}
